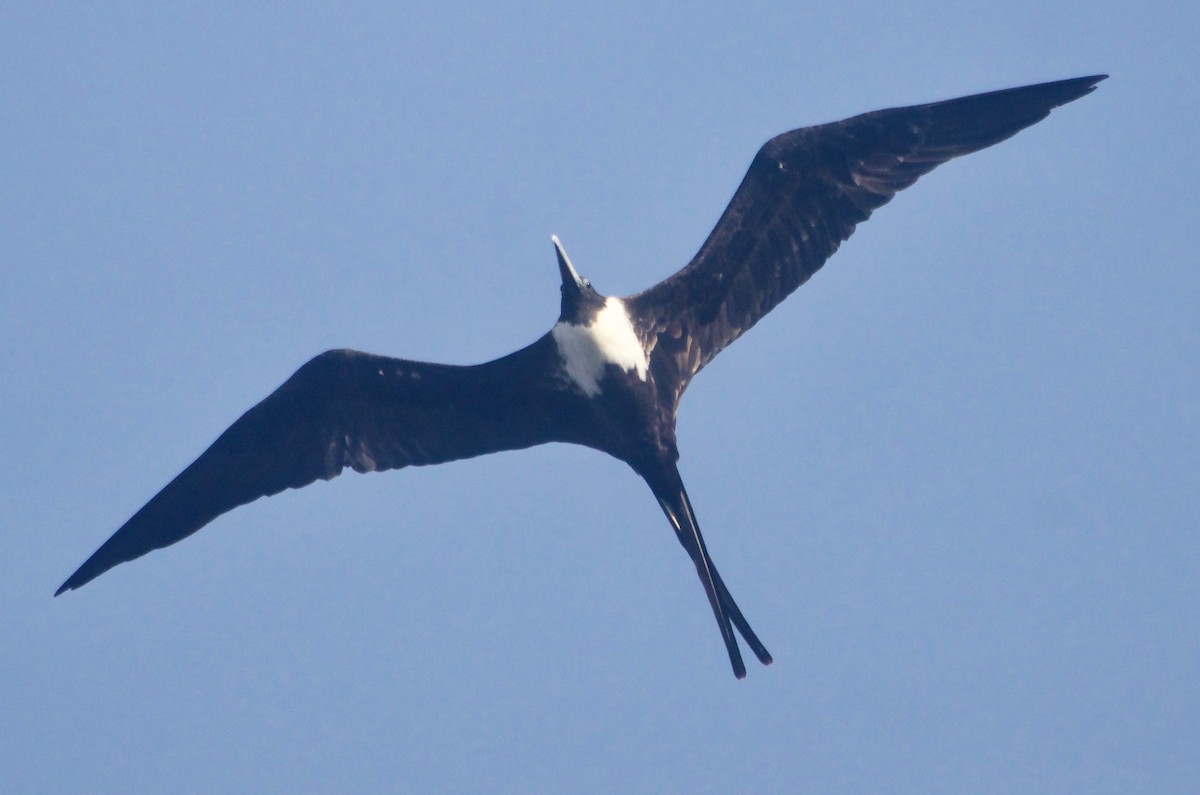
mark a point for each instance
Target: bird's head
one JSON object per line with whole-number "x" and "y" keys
{"x": 580, "y": 301}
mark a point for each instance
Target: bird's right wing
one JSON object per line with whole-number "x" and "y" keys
{"x": 342, "y": 409}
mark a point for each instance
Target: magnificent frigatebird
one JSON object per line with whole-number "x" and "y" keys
{"x": 610, "y": 373}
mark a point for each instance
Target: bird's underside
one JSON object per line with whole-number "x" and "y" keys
{"x": 611, "y": 372}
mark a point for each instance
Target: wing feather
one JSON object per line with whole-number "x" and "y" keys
{"x": 342, "y": 409}
{"x": 804, "y": 193}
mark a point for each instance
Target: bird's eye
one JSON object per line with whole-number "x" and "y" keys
{"x": 587, "y": 284}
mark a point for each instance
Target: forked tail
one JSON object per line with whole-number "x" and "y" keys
{"x": 672, "y": 497}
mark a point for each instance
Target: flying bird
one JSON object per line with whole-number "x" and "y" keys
{"x": 610, "y": 373}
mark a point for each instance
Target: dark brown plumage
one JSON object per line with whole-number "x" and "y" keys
{"x": 611, "y": 372}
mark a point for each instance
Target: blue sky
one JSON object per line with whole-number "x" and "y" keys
{"x": 952, "y": 481}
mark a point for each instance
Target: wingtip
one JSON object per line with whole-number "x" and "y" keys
{"x": 1070, "y": 89}
{"x": 71, "y": 583}
{"x": 1080, "y": 87}
{"x": 1086, "y": 85}
{"x": 80, "y": 578}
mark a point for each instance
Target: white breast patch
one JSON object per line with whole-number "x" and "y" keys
{"x": 610, "y": 339}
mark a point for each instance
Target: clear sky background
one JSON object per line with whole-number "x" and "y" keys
{"x": 952, "y": 481}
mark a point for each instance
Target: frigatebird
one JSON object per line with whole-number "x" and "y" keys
{"x": 610, "y": 373}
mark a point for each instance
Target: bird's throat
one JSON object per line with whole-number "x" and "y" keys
{"x": 608, "y": 339}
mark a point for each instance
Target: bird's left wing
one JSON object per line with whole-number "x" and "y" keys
{"x": 342, "y": 409}
{"x": 805, "y": 193}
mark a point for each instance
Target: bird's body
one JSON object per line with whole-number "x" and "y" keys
{"x": 610, "y": 373}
